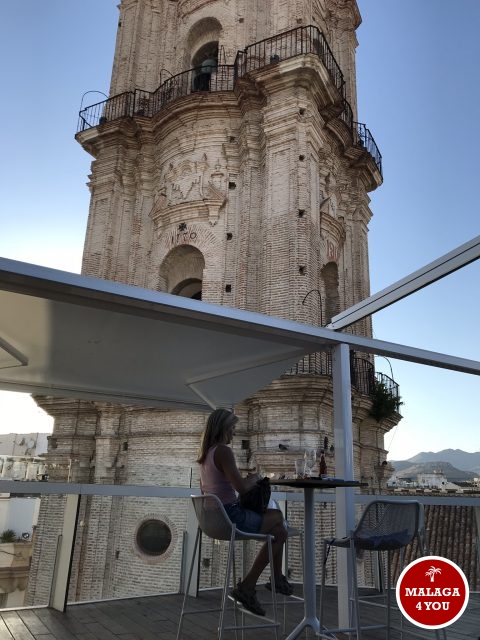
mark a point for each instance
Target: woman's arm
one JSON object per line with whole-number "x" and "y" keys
{"x": 225, "y": 462}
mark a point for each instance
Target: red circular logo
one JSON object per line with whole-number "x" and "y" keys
{"x": 432, "y": 592}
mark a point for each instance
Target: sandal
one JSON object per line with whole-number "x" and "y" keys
{"x": 248, "y": 599}
{"x": 282, "y": 586}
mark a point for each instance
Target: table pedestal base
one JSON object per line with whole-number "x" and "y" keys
{"x": 311, "y": 622}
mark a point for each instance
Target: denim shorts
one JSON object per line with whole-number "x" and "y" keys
{"x": 246, "y": 520}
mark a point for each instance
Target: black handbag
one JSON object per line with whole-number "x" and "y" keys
{"x": 258, "y": 497}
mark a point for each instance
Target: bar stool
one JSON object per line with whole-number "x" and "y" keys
{"x": 292, "y": 532}
{"x": 386, "y": 525}
{"x": 214, "y": 523}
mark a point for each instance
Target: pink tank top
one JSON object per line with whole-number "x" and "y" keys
{"x": 214, "y": 481}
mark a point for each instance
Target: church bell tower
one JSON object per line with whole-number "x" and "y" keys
{"x": 230, "y": 167}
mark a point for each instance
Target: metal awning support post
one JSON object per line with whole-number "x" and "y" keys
{"x": 345, "y": 504}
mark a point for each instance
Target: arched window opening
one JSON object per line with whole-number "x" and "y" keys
{"x": 190, "y": 288}
{"x": 204, "y": 62}
{"x": 330, "y": 282}
{"x": 181, "y": 272}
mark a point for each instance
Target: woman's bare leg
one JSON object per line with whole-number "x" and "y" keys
{"x": 273, "y": 523}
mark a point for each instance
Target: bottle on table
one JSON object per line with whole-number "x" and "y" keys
{"x": 323, "y": 465}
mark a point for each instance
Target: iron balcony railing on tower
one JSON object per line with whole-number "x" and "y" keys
{"x": 296, "y": 42}
{"x": 141, "y": 103}
{"x": 289, "y": 44}
{"x": 362, "y": 372}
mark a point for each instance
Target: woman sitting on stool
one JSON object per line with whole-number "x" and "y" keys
{"x": 219, "y": 475}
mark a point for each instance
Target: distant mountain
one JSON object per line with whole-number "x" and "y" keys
{"x": 456, "y": 457}
{"x": 405, "y": 469}
{"x": 400, "y": 465}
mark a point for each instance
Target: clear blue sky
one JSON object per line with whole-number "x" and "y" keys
{"x": 418, "y": 92}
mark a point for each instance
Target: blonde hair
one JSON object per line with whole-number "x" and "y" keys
{"x": 217, "y": 424}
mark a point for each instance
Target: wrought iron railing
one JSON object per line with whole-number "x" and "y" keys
{"x": 319, "y": 364}
{"x": 191, "y": 81}
{"x": 146, "y": 104}
{"x": 391, "y": 386}
{"x": 362, "y": 375}
{"x": 362, "y": 372}
{"x": 346, "y": 115}
{"x": 290, "y": 44}
{"x": 119, "y": 106}
{"x": 296, "y": 42}
{"x": 364, "y": 138}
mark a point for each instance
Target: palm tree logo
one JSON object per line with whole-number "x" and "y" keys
{"x": 432, "y": 571}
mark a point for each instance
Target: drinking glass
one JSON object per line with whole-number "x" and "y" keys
{"x": 300, "y": 468}
{"x": 310, "y": 457}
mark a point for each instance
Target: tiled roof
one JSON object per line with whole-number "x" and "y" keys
{"x": 451, "y": 533}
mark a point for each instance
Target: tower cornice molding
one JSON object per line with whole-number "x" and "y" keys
{"x": 306, "y": 73}
{"x": 122, "y": 132}
{"x": 188, "y": 110}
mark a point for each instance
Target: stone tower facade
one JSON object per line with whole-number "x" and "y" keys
{"x": 229, "y": 166}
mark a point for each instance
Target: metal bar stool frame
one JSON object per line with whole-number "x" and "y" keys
{"x": 292, "y": 532}
{"x": 218, "y": 526}
{"x": 380, "y": 537}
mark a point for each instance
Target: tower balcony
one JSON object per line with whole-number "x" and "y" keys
{"x": 362, "y": 373}
{"x": 356, "y": 138}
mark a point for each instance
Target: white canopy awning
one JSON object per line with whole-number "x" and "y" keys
{"x": 64, "y": 334}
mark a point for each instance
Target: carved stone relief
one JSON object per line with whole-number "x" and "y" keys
{"x": 191, "y": 189}
{"x": 331, "y": 223}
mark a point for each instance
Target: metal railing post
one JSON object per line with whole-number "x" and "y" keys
{"x": 187, "y": 554}
{"x": 64, "y": 554}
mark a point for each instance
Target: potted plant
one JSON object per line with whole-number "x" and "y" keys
{"x": 8, "y": 535}
{"x": 384, "y": 402}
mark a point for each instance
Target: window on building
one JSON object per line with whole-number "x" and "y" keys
{"x": 153, "y": 537}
